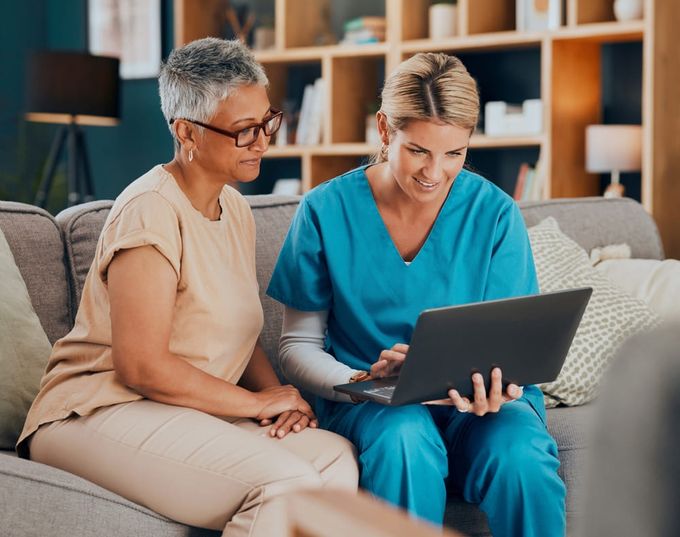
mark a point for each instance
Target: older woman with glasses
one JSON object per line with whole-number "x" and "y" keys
{"x": 162, "y": 392}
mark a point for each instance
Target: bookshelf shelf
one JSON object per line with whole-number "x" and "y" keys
{"x": 500, "y": 40}
{"x": 569, "y": 63}
{"x": 296, "y": 55}
{"x": 302, "y": 54}
{"x": 320, "y": 150}
{"x": 603, "y": 31}
{"x": 480, "y": 141}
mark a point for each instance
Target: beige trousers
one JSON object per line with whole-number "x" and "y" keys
{"x": 195, "y": 468}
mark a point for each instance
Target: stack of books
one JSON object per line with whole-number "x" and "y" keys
{"x": 310, "y": 122}
{"x": 530, "y": 183}
{"x": 364, "y": 30}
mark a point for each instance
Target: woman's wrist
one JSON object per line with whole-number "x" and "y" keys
{"x": 360, "y": 376}
{"x": 254, "y": 404}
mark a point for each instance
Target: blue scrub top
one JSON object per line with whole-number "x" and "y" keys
{"x": 338, "y": 256}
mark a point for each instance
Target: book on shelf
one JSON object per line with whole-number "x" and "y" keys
{"x": 530, "y": 184}
{"x": 310, "y": 122}
{"x": 521, "y": 180}
{"x": 376, "y": 23}
{"x": 364, "y": 30}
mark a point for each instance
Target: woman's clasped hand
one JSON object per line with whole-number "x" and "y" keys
{"x": 285, "y": 410}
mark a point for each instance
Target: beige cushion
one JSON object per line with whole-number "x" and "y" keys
{"x": 611, "y": 317}
{"x": 24, "y": 349}
{"x": 655, "y": 282}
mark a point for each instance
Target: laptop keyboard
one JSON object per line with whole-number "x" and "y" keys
{"x": 385, "y": 392}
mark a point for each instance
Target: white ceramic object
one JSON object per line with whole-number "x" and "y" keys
{"x": 501, "y": 119}
{"x": 264, "y": 38}
{"x": 442, "y": 21}
{"x": 628, "y": 10}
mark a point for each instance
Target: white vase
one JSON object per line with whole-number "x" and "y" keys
{"x": 628, "y": 10}
{"x": 442, "y": 21}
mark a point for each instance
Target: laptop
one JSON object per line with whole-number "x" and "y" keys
{"x": 527, "y": 337}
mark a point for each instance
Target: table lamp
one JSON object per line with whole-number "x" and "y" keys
{"x": 613, "y": 149}
{"x": 73, "y": 89}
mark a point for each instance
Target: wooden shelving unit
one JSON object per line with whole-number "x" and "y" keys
{"x": 571, "y": 84}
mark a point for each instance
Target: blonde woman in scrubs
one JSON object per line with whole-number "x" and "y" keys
{"x": 162, "y": 392}
{"x": 365, "y": 254}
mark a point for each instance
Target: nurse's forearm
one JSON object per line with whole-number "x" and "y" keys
{"x": 303, "y": 359}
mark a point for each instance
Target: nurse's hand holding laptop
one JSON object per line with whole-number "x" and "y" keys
{"x": 452, "y": 349}
{"x": 389, "y": 364}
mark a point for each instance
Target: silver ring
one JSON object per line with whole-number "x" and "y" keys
{"x": 463, "y": 411}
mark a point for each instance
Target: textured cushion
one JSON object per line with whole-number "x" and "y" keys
{"x": 597, "y": 221}
{"x": 35, "y": 240}
{"x": 611, "y": 316}
{"x": 37, "y": 500}
{"x": 657, "y": 283}
{"x": 24, "y": 349}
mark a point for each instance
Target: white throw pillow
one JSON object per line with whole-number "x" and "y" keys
{"x": 655, "y": 282}
{"x": 611, "y": 317}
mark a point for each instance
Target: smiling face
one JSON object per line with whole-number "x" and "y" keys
{"x": 425, "y": 157}
{"x": 217, "y": 154}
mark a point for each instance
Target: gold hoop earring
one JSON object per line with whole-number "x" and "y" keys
{"x": 383, "y": 150}
{"x": 191, "y": 155}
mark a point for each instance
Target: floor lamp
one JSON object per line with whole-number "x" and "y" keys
{"x": 72, "y": 89}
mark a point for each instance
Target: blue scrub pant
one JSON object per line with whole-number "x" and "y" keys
{"x": 504, "y": 462}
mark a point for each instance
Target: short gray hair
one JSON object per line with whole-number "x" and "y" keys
{"x": 197, "y": 76}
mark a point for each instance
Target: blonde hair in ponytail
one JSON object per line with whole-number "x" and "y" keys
{"x": 429, "y": 86}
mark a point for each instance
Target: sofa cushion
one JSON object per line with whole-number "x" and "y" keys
{"x": 24, "y": 349}
{"x": 570, "y": 427}
{"x": 655, "y": 282}
{"x": 610, "y": 317}
{"x": 596, "y": 221}
{"x": 40, "y": 500}
{"x": 272, "y": 218}
{"x": 81, "y": 226}
{"x": 35, "y": 241}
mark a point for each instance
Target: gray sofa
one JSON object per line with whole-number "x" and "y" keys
{"x": 54, "y": 256}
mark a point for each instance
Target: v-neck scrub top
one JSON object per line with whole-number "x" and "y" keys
{"x": 338, "y": 256}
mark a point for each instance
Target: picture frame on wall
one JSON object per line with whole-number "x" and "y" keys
{"x": 129, "y": 30}
{"x": 538, "y": 15}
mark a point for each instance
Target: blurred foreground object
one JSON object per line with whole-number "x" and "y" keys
{"x": 634, "y": 472}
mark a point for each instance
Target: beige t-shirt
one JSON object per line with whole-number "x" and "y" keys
{"x": 217, "y": 316}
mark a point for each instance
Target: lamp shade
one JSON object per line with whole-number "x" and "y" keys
{"x": 613, "y": 148}
{"x": 67, "y": 86}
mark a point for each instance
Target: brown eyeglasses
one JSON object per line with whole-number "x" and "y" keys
{"x": 247, "y": 136}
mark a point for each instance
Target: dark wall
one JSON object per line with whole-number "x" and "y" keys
{"x": 118, "y": 155}
{"x": 24, "y": 27}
